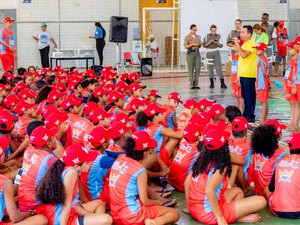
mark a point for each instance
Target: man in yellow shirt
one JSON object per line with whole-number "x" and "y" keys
{"x": 247, "y": 71}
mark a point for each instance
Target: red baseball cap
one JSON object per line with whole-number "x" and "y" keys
{"x": 154, "y": 93}
{"x": 98, "y": 114}
{"x": 10, "y": 101}
{"x": 120, "y": 117}
{"x": 7, "y": 120}
{"x": 9, "y": 76}
{"x": 41, "y": 135}
{"x": 26, "y": 93}
{"x": 22, "y": 107}
{"x": 124, "y": 76}
{"x": 4, "y": 143}
{"x": 88, "y": 107}
{"x": 54, "y": 119}
{"x": 109, "y": 87}
{"x": 72, "y": 85}
{"x": 261, "y": 46}
{"x": 36, "y": 74}
{"x": 44, "y": 70}
{"x": 60, "y": 86}
{"x": 70, "y": 101}
{"x": 204, "y": 103}
{"x": 135, "y": 86}
{"x": 121, "y": 86}
{"x": 133, "y": 76}
{"x": 54, "y": 95}
{"x": 100, "y": 91}
{"x": 49, "y": 109}
{"x": 296, "y": 41}
{"x": 240, "y": 123}
{"x": 290, "y": 45}
{"x": 190, "y": 104}
{"x": 200, "y": 119}
{"x": 143, "y": 141}
{"x": 135, "y": 103}
{"x": 118, "y": 129}
{"x": 175, "y": 96}
{"x": 154, "y": 108}
{"x": 220, "y": 125}
{"x": 192, "y": 132}
{"x": 294, "y": 141}
{"x": 216, "y": 110}
{"x": 215, "y": 139}
{"x": 281, "y": 23}
{"x": 76, "y": 154}
{"x": 278, "y": 126}
{"x": 114, "y": 96}
{"x": 90, "y": 73}
{"x": 8, "y": 20}
{"x": 20, "y": 86}
{"x": 98, "y": 136}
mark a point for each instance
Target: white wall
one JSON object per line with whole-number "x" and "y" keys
{"x": 8, "y": 4}
{"x": 71, "y": 22}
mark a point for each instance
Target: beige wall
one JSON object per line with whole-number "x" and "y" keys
{"x": 8, "y": 4}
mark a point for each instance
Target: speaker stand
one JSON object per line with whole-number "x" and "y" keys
{"x": 119, "y": 65}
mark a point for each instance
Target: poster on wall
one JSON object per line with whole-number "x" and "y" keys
{"x": 204, "y": 13}
{"x": 26, "y": 1}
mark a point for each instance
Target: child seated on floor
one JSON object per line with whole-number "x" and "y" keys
{"x": 266, "y": 154}
{"x": 210, "y": 201}
{"x": 231, "y": 112}
{"x": 190, "y": 109}
{"x": 282, "y": 191}
{"x": 239, "y": 145}
{"x": 170, "y": 115}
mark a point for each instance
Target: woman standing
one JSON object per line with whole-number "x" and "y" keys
{"x": 100, "y": 34}
{"x": 260, "y": 34}
{"x": 192, "y": 43}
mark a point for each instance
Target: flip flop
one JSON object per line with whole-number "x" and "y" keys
{"x": 169, "y": 203}
{"x": 165, "y": 194}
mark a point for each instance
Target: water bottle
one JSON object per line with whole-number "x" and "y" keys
{"x": 278, "y": 84}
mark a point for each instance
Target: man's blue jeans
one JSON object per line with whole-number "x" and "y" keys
{"x": 249, "y": 96}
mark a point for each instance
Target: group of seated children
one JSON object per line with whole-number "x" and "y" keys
{"x": 74, "y": 145}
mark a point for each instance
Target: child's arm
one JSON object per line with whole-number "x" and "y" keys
{"x": 69, "y": 183}
{"x": 210, "y": 191}
{"x": 263, "y": 69}
{"x": 172, "y": 134}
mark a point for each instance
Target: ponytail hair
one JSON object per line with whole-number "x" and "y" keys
{"x": 130, "y": 152}
{"x": 142, "y": 119}
{"x": 51, "y": 188}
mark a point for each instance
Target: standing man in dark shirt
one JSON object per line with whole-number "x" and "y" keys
{"x": 270, "y": 29}
{"x": 213, "y": 42}
{"x": 192, "y": 43}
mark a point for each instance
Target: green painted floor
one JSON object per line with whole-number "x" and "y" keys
{"x": 278, "y": 109}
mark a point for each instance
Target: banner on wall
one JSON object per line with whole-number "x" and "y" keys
{"x": 204, "y": 13}
{"x": 26, "y": 1}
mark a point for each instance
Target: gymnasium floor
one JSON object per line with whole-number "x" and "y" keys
{"x": 278, "y": 108}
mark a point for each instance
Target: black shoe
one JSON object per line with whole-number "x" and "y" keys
{"x": 197, "y": 87}
{"x": 212, "y": 84}
{"x": 192, "y": 88}
{"x": 223, "y": 85}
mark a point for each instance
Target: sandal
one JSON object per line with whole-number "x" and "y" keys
{"x": 170, "y": 203}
